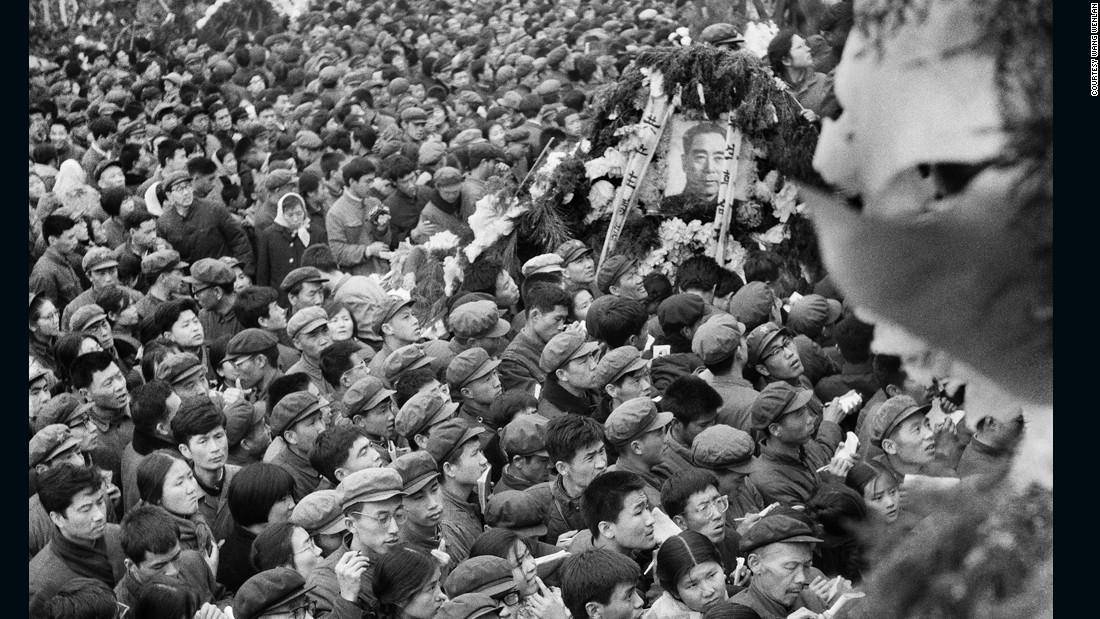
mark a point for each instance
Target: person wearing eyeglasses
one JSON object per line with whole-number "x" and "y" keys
{"x": 694, "y": 501}
{"x": 279, "y": 593}
{"x": 211, "y": 284}
{"x": 773, "y": 357}
{"x": 373, "y": 513}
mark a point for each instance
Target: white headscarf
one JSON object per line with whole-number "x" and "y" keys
{"x": 303, "y": 231}
{"x": 71, "y": 176}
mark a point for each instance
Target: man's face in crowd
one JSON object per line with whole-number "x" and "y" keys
{"x": 250, "y": 370}
{"x": 912, "y": 442}
{"x": 187, "y": 330}
{"x": 313, "y": 343}
{"x": 625, "y": 603}
{"x": 112, "y": 177}
{"x": 633, "y": 528}
{"x": 485, "y": 389}
{"x": 585, "y": 465}
{"x": 450, "y": 193}
{"x": 311, "y": 294}
{"x": 200, "y": 124}
{"x": 470, "y": 464}
{"x": 701, "y": 514}
{"x": 306, "y": 431}
{"x": 101, "y": 331}
{"x": 779, "y": 570}
{"x": 182, "y": 193}
{"x": 379, "y": 421}
{"x": 223, "y": 120}
{"x": 172, "y": 280}
{"x": 425, "y": 506}
{"x": 256, "y": 85}
{"x": 703, "y": 162}
{"x": 691, "y": 430}
{"x": 108, "y": 389}
{"x": 507, "y": 292}
{"x": 85, "y": 520}
{"x": 39, "y": 394}
{"x": 416, "y": 129}
{"x": 375, "y": 526}
{"x": 547, "y": 325}
{"x": 797, "y": 427}
{"x": 144, "y": 235}
{"x": 169, "y": 121}
{"x": 781, "y": 360}
{"x": 276, "y": 318}
{"x": 630, "y": 286}
{"x": 203, "y": 184}
{"x": 194, "y": 386}
{"x": 101, "y": 278}
{"x": 582, "y": 270}
{"x": 581, "y": 372}
{"x": 633, "y": 385}
{"x": 59, "y": 135}
{"x": 268, "y": 118}
{"x": 155, "y": 564}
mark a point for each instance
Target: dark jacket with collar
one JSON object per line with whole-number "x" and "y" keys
{"x": 207, "y": 231}
{"x": 49, "y": 572}
{"x": 555, "y": 400}
{"x": 519, "y": 364}
{"x": 193, "y": 570}
{"x": 563, "y": 512}
{"x": 54, "y": 277}
{"x": 791, "y": 478}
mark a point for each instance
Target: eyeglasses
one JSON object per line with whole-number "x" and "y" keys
{"x": 239, "y": 363}
{"x": 780, "y": 345}
{"x": 510, "y": 599}
{"x": 721, "y": 503}
{"x": 300, "y": 612}
{"x": 397, "y": 516}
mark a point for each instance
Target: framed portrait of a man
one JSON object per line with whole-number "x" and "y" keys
{"x": 696, "y": 158}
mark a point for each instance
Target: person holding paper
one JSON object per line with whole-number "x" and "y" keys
{"x": 902, "y": 431}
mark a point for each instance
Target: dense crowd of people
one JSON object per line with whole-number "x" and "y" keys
{"x": 233, "y": 404}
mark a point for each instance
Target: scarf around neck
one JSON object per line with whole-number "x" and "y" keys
{"x": 90, "y": 561}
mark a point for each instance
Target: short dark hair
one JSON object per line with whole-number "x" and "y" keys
{"x": 728, "y": 283}
{"x": 355, "y": 169}
{"x": 86, "y": 365}
{"x": 58, "y": 485}
{"x": 102, "y": 127}
{"x": 252, "y": 304}
{"x": 56, "y": 225}
{"x": 853, "y": 338}
{"x": 167, "y": 149}
{"x": 284, "y": 386}
{"x": 336, "y": 359}
{"x": 111, "y": 200}
{"x": 149, "y": 404}
{"x": 567, "y": 434}
{"x": 44, "y": 153}
{"x": 603, "y": 499}
{"x": 761, "y": 266}
{"x": 592, "y": 576}
{"x": 888, "y": 371}
{"x": 778, "y": 50}
{"x": 680, "y": 553}
{"x": 409, "y": 383}
{"x": 690, "y": 398}
{"x": 201, "y": 166}
{"x": 136, "y": 217}
{"x": 197, "y": 415}
{"x": 148, "y": 529}
{"x": 505, "y": 407}
{"x": 320, "y": 256}
{"x": 397, "y": 165}
{"x": 618, "y": 320}
{"x": 83, "y": 598}
{"x": 168, "y": 313}
{"x": 330, "y": 451}
{"x": 255, "y": 489}
{"x": 681, "y": 486}
{"x": 545, "y": 298}
{"x": 698, "y": 129}
{"x": 698, "y": 272}
{"x": 308, "y": 182}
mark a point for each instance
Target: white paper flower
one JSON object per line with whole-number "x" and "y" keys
{"x": 443, "y": 241}
{"x": 774, "y": 235}
{"x": 601, "y": 194}
{"x": 758, "y": 36}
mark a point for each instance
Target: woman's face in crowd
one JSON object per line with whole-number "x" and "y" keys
{"x": 524, "y": 570}
{"x": 703, "y": 587}
{"x": 294, "y": 214}
{"x": 180, "y": 494}
{"x": 340, "y": 326}
{"x": 581, "y": 300}
{"x": 496, "y": 135}
{"x": 427, "y": 601}
{"x": 881, "y": 496}
{"x": 281, "y": 510}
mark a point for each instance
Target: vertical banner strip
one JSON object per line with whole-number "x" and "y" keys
{"x": 726, "y": 191}
{"x": 654, "y": 120}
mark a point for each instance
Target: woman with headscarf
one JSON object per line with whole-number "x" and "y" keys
{"x": 279, "y": 247}
{"x": 71, "y": 195}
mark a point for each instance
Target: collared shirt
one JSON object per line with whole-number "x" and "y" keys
{"x": 306, "y": 478}
{"x": 790, "y": 477}
{"x": 116, "y": 431}
{"x": 462, "y": 524}
{"x": 563, "y": 512}
{"x": 555, "y": 400}
{"x": 216, "y": 325}
{"x": 214, "y": 502}
{"x": 519, "y": 364}
{"x": 510, "y": 481}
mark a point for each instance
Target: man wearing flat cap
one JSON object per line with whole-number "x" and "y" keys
{"x": 792, "y": 446}
{"x": 166, "y": 270}
{"x": 728, "y": 454}
{"x": 475, "y": 323}
{"x": 579, "y": 267}
{"x": 395, "y": 326}
{"x": 523, "y": 442}
{"x": 905, "y": 441}
{"x": 101, "y": 268}
{"x": 197, "y": 228}
{"x": 622, "y": 374}
{"x": 211, "y": 284}
{"x": 679, "y": 316}
{"x": 570, "y": 365}
{"x": 473, "y": 379}
{"x": 444, "y": 208}
{"x": 373, "y": 513}
{"x": 484, "y": 158}
{"x": 456, "y": 447}
{"x": 370, "y": 406}
{"x": 772, "y": 546}
{"x": 255, "y": 354}
{"x": 719, "y": 342}
{"x": 637, "y": 431}
{"x": 297, "y": 419}
{"x": 618, "y": 275}
{"x": 275, "y": 593}
{"x": 308, "y": 329}
{"x": 423, "y": 503}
